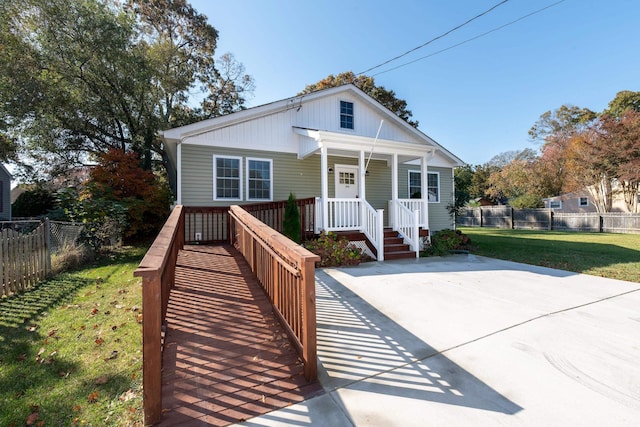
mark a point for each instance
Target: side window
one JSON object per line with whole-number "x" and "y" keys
{"x": 346, "y": 115}
{"x": 583, "y": 201}
{"x": 555, "y": 204}
{"x": 415, "y": 185}
{"x": 227, "y": 172}
{"x": 259, "y": 179}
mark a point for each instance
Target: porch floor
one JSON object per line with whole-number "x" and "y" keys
{"x": 226, "y": 356}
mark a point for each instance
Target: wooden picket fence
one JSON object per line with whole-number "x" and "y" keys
{"x": 24, "y": 258}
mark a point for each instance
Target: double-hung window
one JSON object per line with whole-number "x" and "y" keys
{"x": 227, "y": 173}
{"x": 433, "y": 186}
{"x": 346, "y": 115}
{"x": 259, "y": 179}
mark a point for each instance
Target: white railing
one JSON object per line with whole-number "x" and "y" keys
{"x": 373, "y": 227}
{"x": 344, "y": 214}
{"x": 354, "y": 215}
{"x": 416, "y": 205}
{"x": 406, "y": 223}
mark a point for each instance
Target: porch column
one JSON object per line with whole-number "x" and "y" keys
{"x": 394, "y": 190}
{"x": 361, "y": 190}
{"x": 324, "y": 174}
{"x": 425, "y": 191}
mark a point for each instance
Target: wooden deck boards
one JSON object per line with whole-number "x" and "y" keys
{"x": 226, "y": 356}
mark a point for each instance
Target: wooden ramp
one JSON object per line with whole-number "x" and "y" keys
{"x": 226, "y": 357}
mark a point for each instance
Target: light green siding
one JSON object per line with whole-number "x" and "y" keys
{"x": 439, "y": 217}
{"x": 302, "y": 177}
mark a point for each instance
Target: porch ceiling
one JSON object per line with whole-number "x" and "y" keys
{"x": 340, "y": 144}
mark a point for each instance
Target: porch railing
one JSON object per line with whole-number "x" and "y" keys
{"x": 157, "y": 270}
{"x": 415, "y": 205}
{"x": 406, "y": 223}
{"x": 373, "y": 227}
{"x": 286, "y": 272}
{"x": 210, "y": 224}
{"x": 343, "y": 214}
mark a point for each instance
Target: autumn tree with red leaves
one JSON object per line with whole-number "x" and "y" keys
{"x": 119, "y": 177}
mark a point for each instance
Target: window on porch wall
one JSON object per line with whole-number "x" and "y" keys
{"x": 226, "y": 180}
{"x": 259, "y": 178}
{"x": 433, "y": 186}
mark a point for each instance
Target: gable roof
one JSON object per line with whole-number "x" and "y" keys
{"x": 173, "y": 137}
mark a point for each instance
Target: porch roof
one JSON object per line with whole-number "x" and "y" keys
{"x": 340, "y": 144}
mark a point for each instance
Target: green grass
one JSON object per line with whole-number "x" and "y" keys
{"x": 616, "y": 256}
{"x": 58, "y": 344}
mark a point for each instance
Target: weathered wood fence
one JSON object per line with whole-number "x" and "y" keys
{"x": 24, "y": 258}
{"x": 286, "y": 272}
{"x": 547, "y": 219}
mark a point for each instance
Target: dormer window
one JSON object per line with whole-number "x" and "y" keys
{"x": 346, "y": 115}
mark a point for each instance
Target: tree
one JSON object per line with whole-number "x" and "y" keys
{"x": 624, "y": 101}
{"x": 367, "y": 84}
{"x": 561, "y": 123}
{"x": 291, "y": 222}
{"x": 81, "y": 77}
{"x": 620, "y": 146}
{"x": 480, "y": 181}
{"x": 120, "y": 178}
{"x": 462, "y": 177}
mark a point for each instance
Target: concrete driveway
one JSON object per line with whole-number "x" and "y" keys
{"x": 466, "y": 340}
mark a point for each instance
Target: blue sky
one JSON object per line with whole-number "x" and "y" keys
{"x": 478, "y": 99}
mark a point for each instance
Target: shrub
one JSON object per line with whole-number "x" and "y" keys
{"x": 444, "y": 241}
{"x": 335, "y": 251}
{"x": 291, "y": 223}
{"x": 33, "y": 203}
{"x": 527, "y": 201}
{"x": 70, "y": 257}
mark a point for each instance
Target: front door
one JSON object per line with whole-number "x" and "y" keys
{"x": 346, "y": 181}
{"x": 347, "y": 212}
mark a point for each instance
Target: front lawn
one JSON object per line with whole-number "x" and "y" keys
{"x": 71, "y": 348}
{"x": 616, "y": 256}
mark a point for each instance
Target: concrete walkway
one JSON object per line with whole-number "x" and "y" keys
{"x": 466, "y": 340}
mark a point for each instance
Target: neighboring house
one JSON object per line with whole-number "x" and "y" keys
{"x": 338, "y": 144}
{"x": 5, "y": 194}
{"x": 578, "y": 202}
{"x": 582, "y": 202}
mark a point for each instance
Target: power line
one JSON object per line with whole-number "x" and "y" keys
{"x": 435, "y": 38}
{"x": 471, "y": 39}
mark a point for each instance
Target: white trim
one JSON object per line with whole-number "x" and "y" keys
{"x": 336, "y": 182}
{"x": 422, "y": 193}
{"x": 179, "y": 175}
{"x": 439, "y": 189}
{"x": 555, "y": 201}
{"x": 353, "y": 115}
{"x": 215, "y": 189}
{"x": 247, "y": 177}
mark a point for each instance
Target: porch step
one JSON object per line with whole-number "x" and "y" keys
{"x": 399, "y": 255}
{"x": 394, "y": 246}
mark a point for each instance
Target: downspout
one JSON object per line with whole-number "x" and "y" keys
{"x": 453, "y": 191}
{"x": 179, "y": 174}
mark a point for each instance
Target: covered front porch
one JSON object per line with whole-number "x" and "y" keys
{"x": 344, "y": 204}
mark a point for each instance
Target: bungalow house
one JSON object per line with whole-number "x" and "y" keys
{"x": 5, "y": 194}
{"x": 367, "y": 168}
